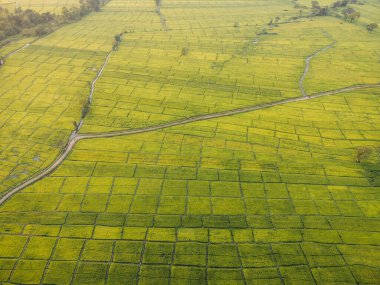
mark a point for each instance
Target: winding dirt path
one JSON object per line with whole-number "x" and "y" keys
{"x": 162, "y": 17}
{"x": 307, "y": 66}
{"x": 75, "y": 137}
{"x": 19, "y": 49}
{"x": 16, "y": 50}
{"x": 78, "y": 137}
{"x": 92, "y": 90}
{"x": 221, "y": 114}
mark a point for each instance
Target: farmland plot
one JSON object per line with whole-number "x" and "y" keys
{"x": 44, "y": 87}
{"x": 149, "y": 80}
{"x": 274, "y": 196}
{"x": 268, "y": 196}
{"x": 53, "y": 6}
{"x": 349, "y": 62}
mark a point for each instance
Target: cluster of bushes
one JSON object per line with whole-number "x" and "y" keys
{"x": 324, "y": 9}
{"x": 118, "y": 38}
{"x": 185, "y": 51}
{"x": 318, "y": 10}
{"x": 364, "y": 152}
{"x": 32, "y": 23}
{"x": 370, "y": 27}
{"x": 343, "y": 3}
{"x": 274, "y": 22}
{"x": 158, "y": 6}
{"x": 86, "y": 7}
{"x": 14, "y": 23}
{"x": 349, "y": 14}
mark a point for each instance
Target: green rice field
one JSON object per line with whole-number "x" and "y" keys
{"x": 277, "y": 195}
{"x": 53, "y": 6}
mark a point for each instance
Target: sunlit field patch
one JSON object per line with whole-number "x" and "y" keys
{"x": 282, "y": 195}
{"x": 53, "y": 6}
{"x": 43, "y": 88}
{"x": 260, "y": 197}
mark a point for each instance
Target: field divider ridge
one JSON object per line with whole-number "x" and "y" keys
{"x": 78, "y": 137}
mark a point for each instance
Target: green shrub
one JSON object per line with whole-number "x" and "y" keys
{"x": 185, "y": 51}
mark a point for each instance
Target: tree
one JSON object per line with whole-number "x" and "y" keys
{"x": 341, "y": 3}
{"x": 185, "y": 51}
{"x": 263, "y": 32}
{"x": 11, "y": 30}
{"x": 352, "y": 16}
{"x": 29, "y": 22}
{"x": 348, "y": 11}
{"x": 118, "y": 38}
{"x": 117, "y": 41}
{"x": 158, "y": 5}
{"x": 48, "y": 17}
{"x": 322, "y": 11}
{"x": 26, "y": 23}
{"x": 362, "y": 153}
{"x": 370, "y": 27}
{"x": 65, "y": 13}
{"x": 86, "y": 104}
{"x": 76, "y": 126}
{"x": 318, "y": 10}
{"x": 315, "y": 5}
{"x": 42, "y": 30}
{"x": 87, "y": 6}
{"x": 270, "y": 23}
{"x": 94, "y": 5}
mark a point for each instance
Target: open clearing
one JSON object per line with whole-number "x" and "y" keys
{"x": 271, "y": 196}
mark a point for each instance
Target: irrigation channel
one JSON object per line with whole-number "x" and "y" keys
{"x": 76, "y": 137}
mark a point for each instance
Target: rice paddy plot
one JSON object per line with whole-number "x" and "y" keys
{"x": 162, "y": 76}
{"x": 348, "y": 62}
{"x": 283, "y": 195}
{"x": 52, "y": 6}
{"x": 12, "y": 47}
{"x": 44, "y": 88}
{"x": 268, "y": 196}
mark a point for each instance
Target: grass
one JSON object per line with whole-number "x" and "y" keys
{"x": 272, "y": 196}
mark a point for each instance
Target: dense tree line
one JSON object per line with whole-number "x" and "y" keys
{"x": 348, "y": 14}
{"x": 31, "y": 23}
